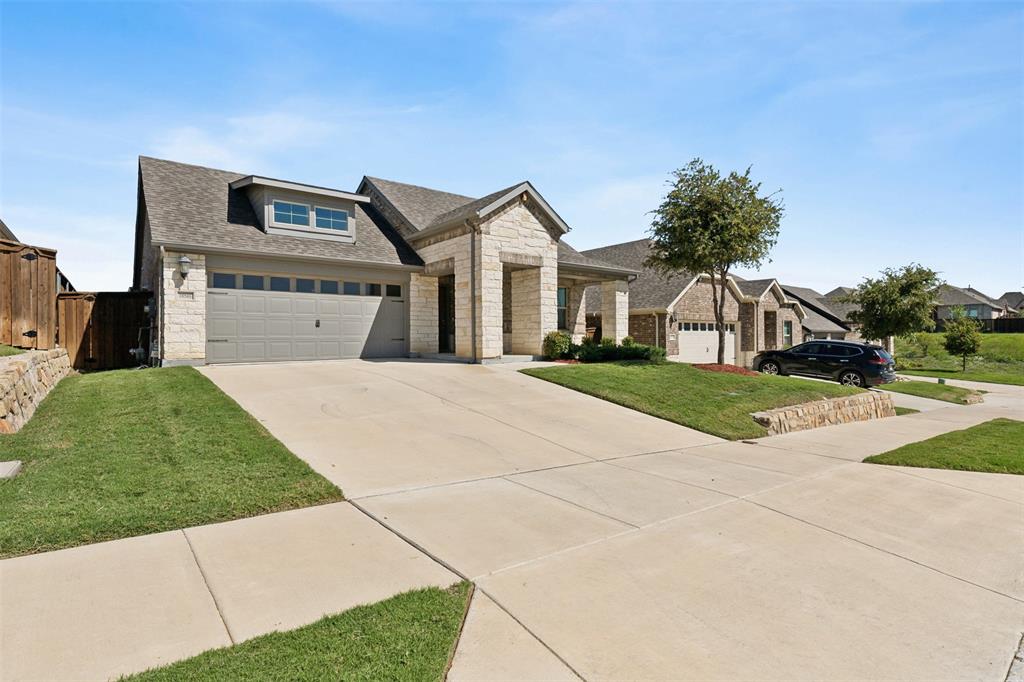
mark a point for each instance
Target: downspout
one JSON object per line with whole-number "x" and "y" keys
{"x": 472, "y": 287}
{"x": 655, "y": 315}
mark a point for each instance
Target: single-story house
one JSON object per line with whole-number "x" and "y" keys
{"x": 974, "y": 303}
{"x": 821, "y": 322}
{"x": 677, "y": 314}
{"x": 246, "y": 268}
{"x": 1013, "y": 301}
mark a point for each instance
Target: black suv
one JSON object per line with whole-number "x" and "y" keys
{"x": 848, "y": 362}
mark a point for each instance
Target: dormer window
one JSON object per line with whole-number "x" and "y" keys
{"x": 331, "y": 219}
{"x": 288, "y": 213}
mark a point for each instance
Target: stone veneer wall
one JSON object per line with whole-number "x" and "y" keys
{"x": 182, "y": 330}
{"x": 25, "y": 380}
{"x": 854, "y": 408}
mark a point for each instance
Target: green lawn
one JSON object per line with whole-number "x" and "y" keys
{"x": 713, "y": 402}
{"x": 927, "y": 389}
{"x": 9, "y": 350}
{"x": 900, "y": 411}
{"x": 996, "y": 446}
{"x": 411, "y": 636}
{"x": 115, "y": 454}
{"x": 1000, "y": 361}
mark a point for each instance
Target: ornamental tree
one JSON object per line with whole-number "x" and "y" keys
{"x": 898, "y": 303}
{"x": 963, "y": 335}
{"x": 709, "y": 224}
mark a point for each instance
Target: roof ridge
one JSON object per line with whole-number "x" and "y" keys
{"x": 373, "y": 178}
{"x": 609, "y": 246}
{"x": 196, "y": 165}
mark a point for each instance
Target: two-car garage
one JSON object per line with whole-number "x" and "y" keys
{"x": 265, "y": 316}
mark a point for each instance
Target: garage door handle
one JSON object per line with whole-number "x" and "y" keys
{"x": 216, "y": 340}
{"x": 318, "y": 324}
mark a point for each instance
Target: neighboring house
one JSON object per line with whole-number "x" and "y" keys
{"x": 1013, "y": 301}
{"x": 677, "y": 314}
{"x": 821, "y": 321}
{"x": 974, "y": 303}
{"x": 245, "y": 268}
{"x": 837, "y": 303}
{"x": 5, "y": 232}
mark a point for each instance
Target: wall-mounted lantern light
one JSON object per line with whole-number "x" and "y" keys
{"x": 183, "y": 265}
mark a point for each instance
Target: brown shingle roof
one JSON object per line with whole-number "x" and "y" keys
{"x": 651, "y": 289}
{"x": 194, "y": 206}
{"x": 420, "y": 205}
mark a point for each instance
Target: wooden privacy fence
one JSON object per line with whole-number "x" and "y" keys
{"x": 99, "y": 328}
{"x": 28, "y": 290}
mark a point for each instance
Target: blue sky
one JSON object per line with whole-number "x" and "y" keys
{"x": 896, "y": 131}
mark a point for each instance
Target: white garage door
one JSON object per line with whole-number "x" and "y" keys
{"x": 698, "y": 342}
{"x": 259, "y": 326}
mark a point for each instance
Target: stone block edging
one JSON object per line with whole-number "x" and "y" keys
{"x": 25, "y": 380}
{"x": 853, "y": 408}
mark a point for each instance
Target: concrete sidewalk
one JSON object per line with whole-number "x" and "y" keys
{"x": 100, "y": 611}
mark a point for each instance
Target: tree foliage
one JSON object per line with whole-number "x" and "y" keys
{"x": 708, "y": 224}
{"x": 898, "y": 303}
{"x": 963, "y": 336}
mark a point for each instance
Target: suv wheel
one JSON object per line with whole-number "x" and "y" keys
{"x": 770, "y": 367}
{"x": 851, "y": 378}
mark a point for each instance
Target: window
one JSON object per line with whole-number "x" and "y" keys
{"x": 350, "y": 288}
{"x": 787, "y": 334}
{"x": 809, "y": 348}
{"x": 563, "y": 308}
{"x": 372, "y": 290}
{"x": 328, "y": 286}
{"x": 222, "y": 280}
{"x": 306, "y": 286}
{"x": 393, "y": 290}
{"x": 280, "y": 284}
{"x": 291, "y": 214}
{"x": 252, "y": 282}
{"x": 331, "y": 219}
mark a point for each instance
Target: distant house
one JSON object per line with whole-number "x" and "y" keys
{"x": 6, "y": 234}
{"x": 1014, "y": 301}
{"x": 975, "y": 303}
{"x": 821, "y": 322}
{"x": 677, "y": 314}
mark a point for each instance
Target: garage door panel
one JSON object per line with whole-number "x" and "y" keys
{"x": 218, "y": 302}
{"x": 251, "y": 303}
{"x": 279, "y": 305}
{"x": 217, "y": 327}
{"x": 701, "y": 346}
{"x": 258, "y": 326}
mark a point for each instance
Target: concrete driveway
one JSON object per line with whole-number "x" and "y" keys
{"x": 606, "y": 544}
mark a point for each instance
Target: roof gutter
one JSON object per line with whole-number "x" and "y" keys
{"x": 197, "y": 248}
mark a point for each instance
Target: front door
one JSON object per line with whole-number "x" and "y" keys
{"x": 446, "y": 314}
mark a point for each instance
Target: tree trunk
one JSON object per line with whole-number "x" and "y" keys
{"x": 718, "y": 301}
{"x": 965, "y": 363}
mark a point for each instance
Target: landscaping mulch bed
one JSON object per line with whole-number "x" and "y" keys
{"x": 726, "y": 369}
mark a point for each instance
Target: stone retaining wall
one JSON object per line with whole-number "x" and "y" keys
{"x": 25, "y": 380}
{"x": 854, "y": 408}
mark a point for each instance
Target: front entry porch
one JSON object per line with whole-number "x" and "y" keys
{"x": 506, "y": 311}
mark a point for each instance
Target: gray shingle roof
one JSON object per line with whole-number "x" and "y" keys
{"x": 820, "y": 315}
{"x": 954, "y": 296}
{"x": 754, "y": 287}
{"x": 650, "y": 290}
{"x": 1014, "y": 299}
{"x": 841, "y": 308}
{"x": 420, "y": 205}
{"x": 193, "y": 206}
{"x": 5, "y": 233}
{"x": 468, "y": 210}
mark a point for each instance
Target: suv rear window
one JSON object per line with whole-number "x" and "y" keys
{"x": 882, "y": 353}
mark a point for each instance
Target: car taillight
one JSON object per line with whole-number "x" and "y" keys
{"x": 877, "y": 361}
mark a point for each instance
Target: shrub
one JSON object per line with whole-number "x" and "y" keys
{"x": 557, "y": 345}
{"x": 628, "y": 341}
{"x": 607, "y": 351}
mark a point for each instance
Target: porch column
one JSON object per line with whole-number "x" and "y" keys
{"x": 576, "y": 313}
{"x": 490, "y": 340}
{"x": 614, "y": 310}
{"x": 423, "y": 314}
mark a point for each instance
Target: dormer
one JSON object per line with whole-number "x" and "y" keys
{"x": 298, "y": 210}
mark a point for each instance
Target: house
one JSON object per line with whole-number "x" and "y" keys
{"x": 677, "y": 314}
{"x": 821, "y": 321}
{"x": 245, "y": 268}
{"x": 1013, "y": 301}
{"x": 63, "y": 283}
{"x": 974, "y": 303}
